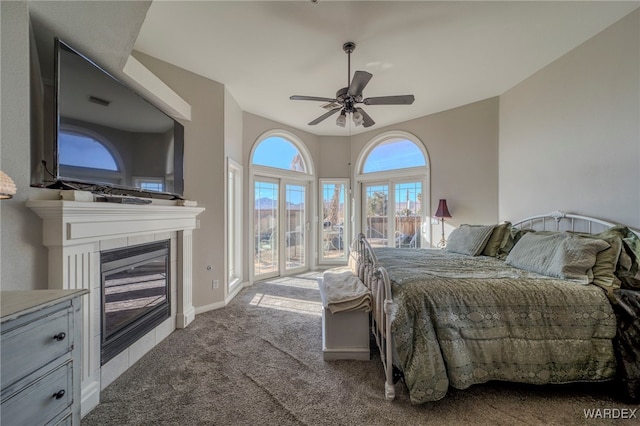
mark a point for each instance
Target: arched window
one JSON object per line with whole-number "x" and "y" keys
{"x": 393, "y": 154}
{"x": 89, "y": 156}
{"x": 281, "y": 177}
{"x": 82, "y": 150}
{"x": 393, "y": 176}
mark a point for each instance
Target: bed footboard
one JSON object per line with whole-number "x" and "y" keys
{"x": 365, "y": 265}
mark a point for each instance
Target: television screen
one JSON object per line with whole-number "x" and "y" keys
{"x": 109, "y": 137}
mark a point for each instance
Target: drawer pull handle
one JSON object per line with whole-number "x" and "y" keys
{"x": 58, "y": 394}
{"x": 60, "y": 336}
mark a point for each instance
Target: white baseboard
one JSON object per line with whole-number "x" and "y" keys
{"x": 90, "y": 398}
{"x": 218, "y": 305}
{"x": 210, "y": 307}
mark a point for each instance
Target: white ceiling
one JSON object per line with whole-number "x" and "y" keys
{"x": 446, "y": 53}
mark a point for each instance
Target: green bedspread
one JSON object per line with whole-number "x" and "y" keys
{"x": 461, "y": 320}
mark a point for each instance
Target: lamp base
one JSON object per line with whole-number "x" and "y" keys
{"x": 443, "y": 241}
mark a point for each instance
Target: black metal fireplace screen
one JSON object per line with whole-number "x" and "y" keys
{"x": 135, "y": 294}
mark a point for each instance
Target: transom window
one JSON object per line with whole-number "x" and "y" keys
{"x": 394, "y": 154}
{"x": 278, "y": 152}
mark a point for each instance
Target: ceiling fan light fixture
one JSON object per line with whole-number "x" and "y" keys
{"x": 358, "y": 118}
{"x": 342, "y": 119}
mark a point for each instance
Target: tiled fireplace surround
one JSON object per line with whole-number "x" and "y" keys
{"x": 76, "y": 232}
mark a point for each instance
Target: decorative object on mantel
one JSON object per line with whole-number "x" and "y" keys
{"x": 187, "y": 203}
{"x": 123, "y": 200}
{"x": 74, "y": 195}
{"x": 7, "y": 187}
{"x": 441, "y": 214}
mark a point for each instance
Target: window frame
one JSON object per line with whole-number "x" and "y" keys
{"x": 262, "y": 172}
{"x": 234, "y": 233}
{"x": 347, "y": 225}
{"x": 391, "y": 178}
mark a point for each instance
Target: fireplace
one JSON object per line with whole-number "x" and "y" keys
{"x": 135, "y": 294}
{"x": 77, "y": 233}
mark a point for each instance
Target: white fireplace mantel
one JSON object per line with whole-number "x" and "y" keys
{"x": 76, "y": 232}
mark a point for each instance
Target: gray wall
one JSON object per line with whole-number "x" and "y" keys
{"x": 23, "y": 258}
{"x": 204, "y": 172}
{"x": 569, "y": 134}
{"x": 463, "y": 152}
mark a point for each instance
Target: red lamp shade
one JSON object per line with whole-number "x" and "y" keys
{"x": 443, "y": 211}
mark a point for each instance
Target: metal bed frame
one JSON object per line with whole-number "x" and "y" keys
{"x": 364, "y": 264}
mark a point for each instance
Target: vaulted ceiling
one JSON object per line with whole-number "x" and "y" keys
{"x": 446, "y": 53}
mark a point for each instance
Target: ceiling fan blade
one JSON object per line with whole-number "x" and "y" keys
{"x": 325, "y": 115}
{"x": 390, "y": 100}
{"x": 359, "y": 81}
{"x": 310, "y": 98}
{"x": 367, "y": 120}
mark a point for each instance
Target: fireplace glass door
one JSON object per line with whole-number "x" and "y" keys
{"x": 135, "y": 283}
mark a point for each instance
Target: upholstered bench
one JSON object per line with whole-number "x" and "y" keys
{"x": 345, "y": 334}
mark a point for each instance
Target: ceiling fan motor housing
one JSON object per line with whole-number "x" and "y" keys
{"x": 349, "y": 47}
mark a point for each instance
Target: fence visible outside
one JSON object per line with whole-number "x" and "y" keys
{"x": 407, "y": 231}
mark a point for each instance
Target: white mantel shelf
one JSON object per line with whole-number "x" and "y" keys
{"x": 74, "y": 222}
{"x": 75, "y": 232}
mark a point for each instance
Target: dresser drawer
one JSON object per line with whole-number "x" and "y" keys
{"x": 66, "y": 421}
{"x": 32, "y": 345}
{"x": 43, "y": 399}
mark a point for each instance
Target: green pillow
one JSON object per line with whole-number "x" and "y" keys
{"x": 628, "y": 263}
{"x": 498, "y": 239}
{"x": 631, "y": 245}
{"x": 604, "y": 270}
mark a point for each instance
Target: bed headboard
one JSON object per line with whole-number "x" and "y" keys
{"x": 563, "y": 221}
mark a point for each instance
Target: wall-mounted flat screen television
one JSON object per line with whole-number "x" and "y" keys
{"x": 107, "y": 138}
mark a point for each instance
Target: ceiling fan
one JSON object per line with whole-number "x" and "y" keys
{"x": 348, "y": 97}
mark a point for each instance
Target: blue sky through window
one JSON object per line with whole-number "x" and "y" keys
{"x": 277, "y": 152}
{"x": 83, "y": 151}
{"x": 392, "y": 155}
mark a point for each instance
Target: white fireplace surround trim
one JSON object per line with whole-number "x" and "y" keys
{"x": 75, "y": 233}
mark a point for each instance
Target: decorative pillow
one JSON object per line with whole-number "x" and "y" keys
{"x": 604, "y": 270}
{"x": 468, "y": 239}
{"x": 627, "y": 269}
{"x": 631, "y": 246}
{"x": 498, "y": 239}
{"x": 558, "y": 255}
{"x": 513, "y": 237}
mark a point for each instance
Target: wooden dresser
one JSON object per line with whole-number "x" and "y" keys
{"x": 40, "y": 357}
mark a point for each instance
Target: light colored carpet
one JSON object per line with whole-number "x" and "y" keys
{"x": 258, "y": 361}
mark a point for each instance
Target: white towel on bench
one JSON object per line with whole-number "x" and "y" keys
{"x": 344, "y": 291}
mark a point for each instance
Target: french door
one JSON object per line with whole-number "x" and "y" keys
{"x": 392, "y": 213}
{"x": 280, "y": 227}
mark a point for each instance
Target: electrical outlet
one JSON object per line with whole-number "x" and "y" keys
{"x": 216, "y": 284}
